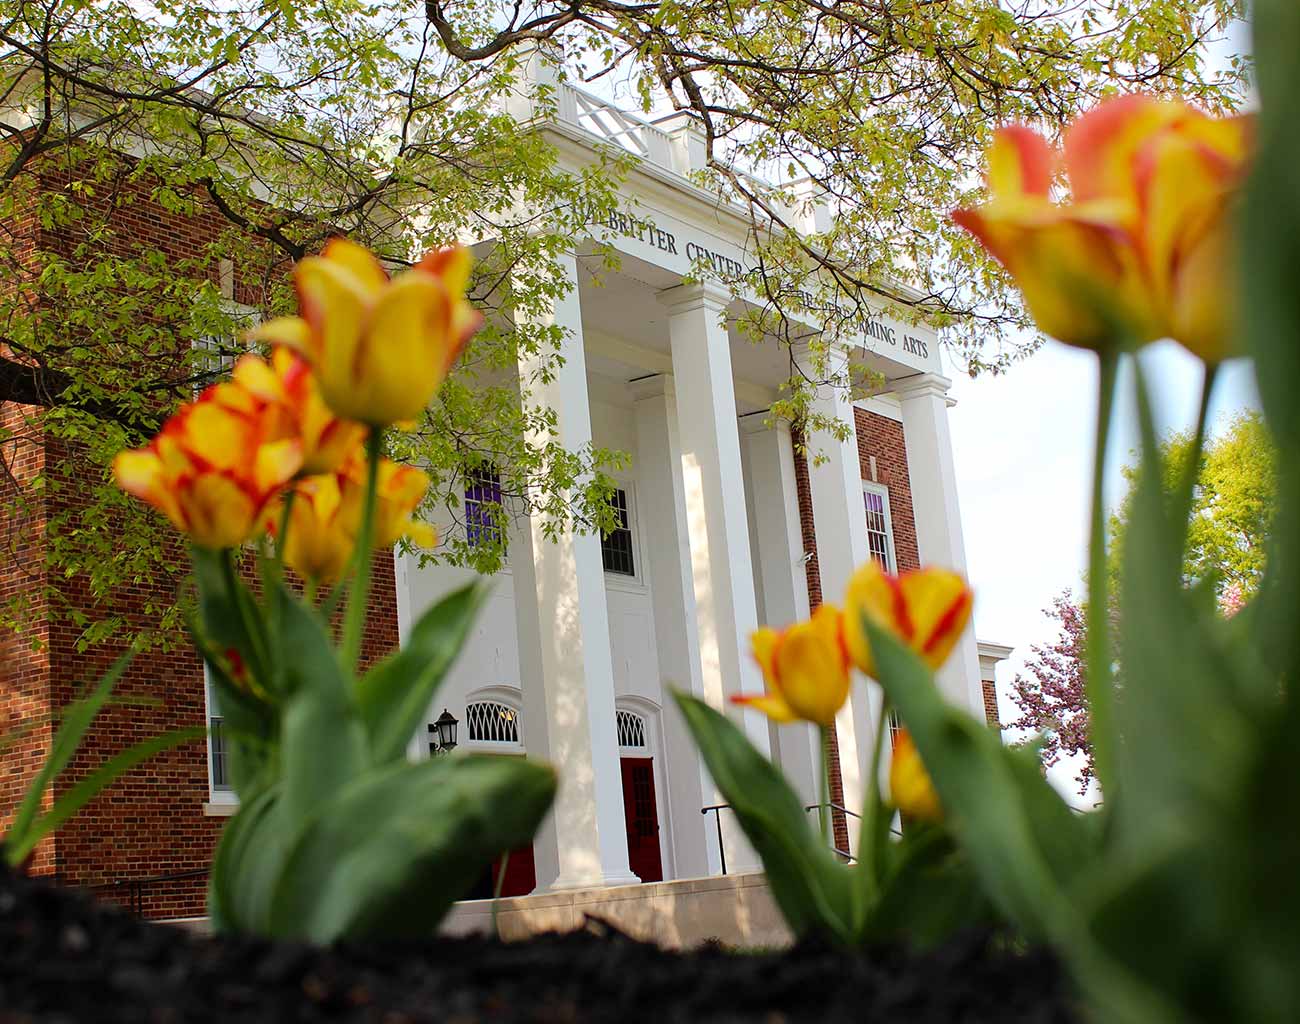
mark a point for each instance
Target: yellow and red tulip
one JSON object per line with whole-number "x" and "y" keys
{"x": 1145, "y": 247}
{"x": 398, "y": 492}
{"x": 316, "y": 545}
{"x": 380, "y": 347}
{"x": 927, "y": 609}
{"x": 910, "y": 788}
{"x": 288, "y": 384}
{"x": 806, "y": 669}
{"x": 214, "y": 466}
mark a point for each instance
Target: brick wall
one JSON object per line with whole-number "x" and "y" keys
{"x": 990, "y": 691}
{"x": 25, "y": 729}
{"x": 151, "y": 821}
{"x": 879, "y": 439}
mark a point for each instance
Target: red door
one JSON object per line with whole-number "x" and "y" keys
{"x": 521, "y": 873}
{"x": 642, "y": 815}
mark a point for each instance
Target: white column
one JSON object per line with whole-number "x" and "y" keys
{"x": 570, "y": 643}
{"x": 714, "y": 491}
{"x": 780, "y": 567}
{"x": 662, "y": 502}
{"x": 924, "y": 400}
{"x": 839, "y": 513}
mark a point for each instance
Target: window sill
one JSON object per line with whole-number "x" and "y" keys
{"x": 221, "y": 808}
{"x": 625, "y": 584}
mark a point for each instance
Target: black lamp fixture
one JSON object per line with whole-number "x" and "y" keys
{"x": 442, "y": 733}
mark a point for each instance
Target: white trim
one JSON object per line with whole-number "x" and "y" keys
{"x": 510, "y": 697}
{"x": 871, "y": 487}
{"x": 216, "y": 797}
{"x": 635, "y": 583}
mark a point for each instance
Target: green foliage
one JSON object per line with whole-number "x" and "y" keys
{"x": 1232, "y": 507}
{"x": 918, "y": 890}
{"x": 337, "y": 835}
{"x": 30, "y": 826}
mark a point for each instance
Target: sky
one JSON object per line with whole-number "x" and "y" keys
{"x": 1022, "y": 445}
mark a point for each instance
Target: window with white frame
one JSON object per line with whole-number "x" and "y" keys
{"x": 631, "y": 730}
{"x": 617, "y": 550}
{"x": 215, "y": 355}
{"x": 490, "y": 721}
{"x": 880, "y": 528}
{"x": 483, "y": 506}
{"x": 218, "y": 769}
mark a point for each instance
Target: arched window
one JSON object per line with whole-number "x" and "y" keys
{"x": 490, "y": 721}
{"x": 631, "y": 729}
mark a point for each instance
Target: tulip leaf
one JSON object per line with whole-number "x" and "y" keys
{"x": 323, "y": 744}
{"x": 229, "y": 879}
{"x": 395, "y": 695}
{"x": 228, "y": 618}
{"x": 397, "y": 846}
{"x": 1022, "y": 838}
{"x": 1270, "y": 312}
{"x": 928, "y": 892}
{"x": 812, "y": 888}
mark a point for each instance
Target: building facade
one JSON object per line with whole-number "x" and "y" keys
{"x": 723, "y": 525}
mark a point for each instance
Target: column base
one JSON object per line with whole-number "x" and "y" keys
{"x": 593, "y": 882}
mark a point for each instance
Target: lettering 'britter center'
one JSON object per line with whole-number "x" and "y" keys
{"x": 725, "y": 267}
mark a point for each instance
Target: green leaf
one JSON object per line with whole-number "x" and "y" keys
{"x": 394, "y": 697}
{"x": 1024, "y": 841}
{"x": 246, "y": 863}
{"x": 88, "y": 788}
{"x": 76, "y": 721}
{"x": 392, "y": 851}
{"x": 930, "y": 891}
{"x": 323, "y": 742}
{"x": 228, "y": 617}
{"x": 810, "y": 885}
{"x": 1270, "y": 309}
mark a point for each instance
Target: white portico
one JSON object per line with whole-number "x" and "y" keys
{"x": 574, "y": 658}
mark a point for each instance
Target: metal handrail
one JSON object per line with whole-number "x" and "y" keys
{"x": 135, "y": 886}
{"x": 834, "y": 807}
{"x": 722, "y": 850}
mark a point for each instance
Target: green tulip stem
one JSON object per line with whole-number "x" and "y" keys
{"x": 360, "y": 595}
{"x": 1098, "y": 679}
{"x": 1187, "y": 493}
{"x": 873, "y": 803}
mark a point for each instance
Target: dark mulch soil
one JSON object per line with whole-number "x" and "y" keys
{"x": 64, "y": 957}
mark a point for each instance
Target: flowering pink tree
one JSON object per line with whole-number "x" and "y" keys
{"x": 1051, "y": 695}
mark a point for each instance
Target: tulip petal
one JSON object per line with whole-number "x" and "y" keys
{"x": 359, "y": 260}
{"x": 218, "y": 512}
{"x": 814, "y": 677}
{"x": 276, "y": 463}
{"x": 406, "y": 358}
{"x": 1019, "y": 163}
{"x": 452, "y": 265}
{"x": 292, "y": 332}
{"x": 910, "y": 787}
{"x": 141, "y": 473}
{"x": 939, "y": 604}
{"x": 770, "y": 704}
{"x": 257, "y": 378}
{"x": 336, "y": 304}
{"x": 764, "y": 642}
{"x": 1100, "y": 145}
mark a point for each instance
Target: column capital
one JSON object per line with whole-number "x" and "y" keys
{"x": 921, "y": 385}
{"x": 708, "y": 295}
